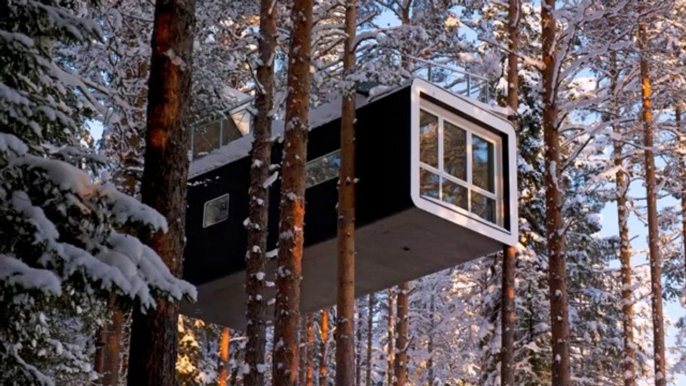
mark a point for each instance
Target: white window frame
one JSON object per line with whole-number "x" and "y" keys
{"x": 484, "y": 116}
{"x": 470, "y": 129}
{"x": 204, "y": 211}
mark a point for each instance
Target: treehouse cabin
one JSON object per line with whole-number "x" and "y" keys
{"x": 436, "y": 187}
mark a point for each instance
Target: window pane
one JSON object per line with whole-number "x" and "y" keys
{"x": 230, "y": 132}
{"x": 483, "y": 170}
{"x": 206, "y": 139}
{"x": 455, "y": 151}
{"x": 428, "y": 184}
{"x": 323, "y": 169}
{"x": 428, "y": 134}
{"x": 483, "y": 207}
{"x": 216, "y": 210}
{"x": 455, "y": 194}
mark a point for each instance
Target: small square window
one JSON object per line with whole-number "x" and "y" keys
{"x": 216, "y": 211}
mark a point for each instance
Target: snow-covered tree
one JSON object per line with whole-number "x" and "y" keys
{"x": 61, "y": 250}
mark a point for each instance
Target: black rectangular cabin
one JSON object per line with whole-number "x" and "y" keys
{"x": 436, "y": 187}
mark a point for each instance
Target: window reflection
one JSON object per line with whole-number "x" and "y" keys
{"x": 483, "y": 173}
{"x": 455, "y": 151}
{"x": 428, "y": 132}
{"x": 216, "y": 211}
{"x": 323, "y": 169}
{"x": 206, "y": 139}
{"x": 455, "y": 194}
{"x": 428, "y": 184}
{"x": 483, "y": 207}
{"x": 457, "y": 164}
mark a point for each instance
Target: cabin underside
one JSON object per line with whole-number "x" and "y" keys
{"x": 402, "y": 247}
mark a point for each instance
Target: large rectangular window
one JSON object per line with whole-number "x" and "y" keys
{"x": 460, "y": 164}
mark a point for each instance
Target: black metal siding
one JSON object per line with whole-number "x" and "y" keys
{"x": 383, "y": 189}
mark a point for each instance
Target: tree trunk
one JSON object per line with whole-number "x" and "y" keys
{"x": 256, "y": 306}
{"x": 345, "y": 299}
{"x": 509, "y": 254}
{"x": 402, "y": 341}
{"x": 370, "y": 331}
{"x": 223, "y": 366}
{"x": 164, "y": 185}
{"x": 622, "y": 186}
{"x": 653, "y": 232}
{"x": 324, "y": 337}
{"x": 557, "y": 264}
{"x": 309, "y": 372}
{"x": 292, "y": 205}
{"x": 390, "y": 358}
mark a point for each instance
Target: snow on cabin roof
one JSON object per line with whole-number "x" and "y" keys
{"x": 318, "y": 117}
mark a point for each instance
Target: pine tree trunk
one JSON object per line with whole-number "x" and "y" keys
{"x": 557, "y": 263}
{"x": 309, "y": 372}
{"x": 509, "y": 254}
{"x": 390, "y": 358}
{"x": 345, "y": 298}
{"x": 653, "y": 232}
{"x": 259, "y": 200}
{"x": 402, "y": 341}
{"x": 622, "y": 185}
{"x": 292, "y": 205}
{"x": 223, "y": 365}
{"x": 324, "y": 339}
{"x": 370, "y": 331}
{"x": 154, "y": 334}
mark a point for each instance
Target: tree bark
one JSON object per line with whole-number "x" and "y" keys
{"x": 402, "y": 340}
{"x": 223, "y": 366}
{"x": 507, "y": 376}
{"x": 324, "y": 339}
{"x": 345, "y": 298}
{"x": 309, "y": 372}
{"x": 164, "y": 185}
{"x": 622, "y": 186}
{"x": 292, "y": 205}
{"x": 390, "y": 358}
{"x": 370, "y": 331}
{"x": 653, "y": 232}
{"x": 255, "y": 259}
{"x": 557, "y": 261}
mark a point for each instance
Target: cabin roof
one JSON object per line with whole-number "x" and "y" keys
{"x": 318, "y": 117}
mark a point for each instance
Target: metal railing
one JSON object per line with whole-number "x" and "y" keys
{"x": 456, "y": 80}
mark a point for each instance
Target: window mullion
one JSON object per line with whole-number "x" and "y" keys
{"x": 468, "y": 147}
{"x": 221, "y": 133}
{"x": 440, "y": 156}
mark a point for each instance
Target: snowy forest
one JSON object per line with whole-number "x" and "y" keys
{"x": 102, "y": 103}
